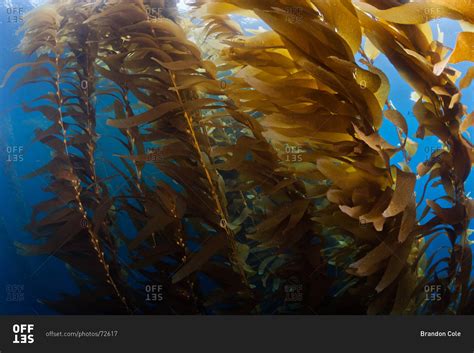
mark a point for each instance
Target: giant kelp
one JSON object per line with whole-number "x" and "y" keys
{"x": 315, "y": 47}
{"x": 264, "y": 172}
{"x": 75, "y": 210}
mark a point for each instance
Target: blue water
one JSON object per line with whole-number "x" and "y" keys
{"x": 46, "y": 277}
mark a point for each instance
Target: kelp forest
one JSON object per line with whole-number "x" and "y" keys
{"x": 250, "y": 173}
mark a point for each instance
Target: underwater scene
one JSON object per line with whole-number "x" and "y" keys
{"x": 236, "y": 157}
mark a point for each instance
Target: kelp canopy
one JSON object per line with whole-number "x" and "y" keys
{"x": 274, "y": 179}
